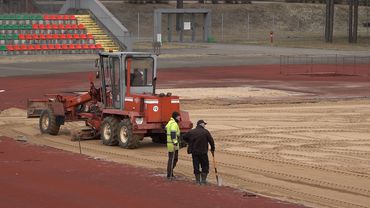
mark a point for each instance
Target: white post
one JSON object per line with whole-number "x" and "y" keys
{"x": 367, "y": 17}
{"x": 138, "y": 25}
{"x": 248, "y": 26}
{"x": 222, "y": 26}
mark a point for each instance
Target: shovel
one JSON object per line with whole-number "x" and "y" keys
{"x": 218, "y": 179}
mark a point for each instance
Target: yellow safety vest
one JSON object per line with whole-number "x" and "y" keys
{"x": 172, "y": 126}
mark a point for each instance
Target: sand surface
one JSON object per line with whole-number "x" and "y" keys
{"x": 317, "y": 154}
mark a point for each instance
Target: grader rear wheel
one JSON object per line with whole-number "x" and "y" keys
{"x": 108, "y": 131}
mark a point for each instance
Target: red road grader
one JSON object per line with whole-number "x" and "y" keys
{"x": 122, "y": 110}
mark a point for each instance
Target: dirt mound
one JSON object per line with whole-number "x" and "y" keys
{"x": 13, "y": 112}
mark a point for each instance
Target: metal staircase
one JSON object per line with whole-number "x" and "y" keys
{"x": 99, "y": 34}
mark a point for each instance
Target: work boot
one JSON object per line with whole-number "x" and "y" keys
{"x": 197, "y": 178}
{"x": 204, "y": 178}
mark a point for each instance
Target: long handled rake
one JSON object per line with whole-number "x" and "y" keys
{"x": 218, "y": 178}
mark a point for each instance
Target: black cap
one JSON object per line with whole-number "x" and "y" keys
{"x": 175, "y": 114}
{"x": 200, "y": 122}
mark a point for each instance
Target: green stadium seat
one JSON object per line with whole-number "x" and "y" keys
{"x": 26, "y": 17}
{"x": 22, "y": 27}
{"x": 19, "y": 17}
{"x": 2, "y": 27}
{"x": 39, "y": 17}
{"x": 15, "y": 36}
{"x": 2, "y": 37}
{"x": 3, "y": 48}
{"x": 7, "y": 27}
{"x": 15, "y": 27}
{"x": 28, "y": 27}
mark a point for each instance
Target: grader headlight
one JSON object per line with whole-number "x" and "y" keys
{"x": 139, "y": 120}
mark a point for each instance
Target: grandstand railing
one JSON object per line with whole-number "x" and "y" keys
{"x": 105, "y": 17}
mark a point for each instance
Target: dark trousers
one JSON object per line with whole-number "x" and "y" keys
{"x": 200, "y": 160}
{"x": 170, "y": 166}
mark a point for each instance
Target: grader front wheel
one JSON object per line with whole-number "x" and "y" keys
{"x": 48, "y": 123}
{"x": 126, "y": 138}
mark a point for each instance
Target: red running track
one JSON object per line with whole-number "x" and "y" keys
{"x": 18, "y": 89}
{"x": 38, "y": 176}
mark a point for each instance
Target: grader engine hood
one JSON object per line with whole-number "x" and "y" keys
{"x": 159, "y": 109}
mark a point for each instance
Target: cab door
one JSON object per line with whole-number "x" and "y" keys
{"x": 111, "y": 81}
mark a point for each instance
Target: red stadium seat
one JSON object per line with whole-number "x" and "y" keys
{"x": 23, "y": 47}
{"x": 62, "y": 36}
{"x": 59, "y": 17}
{"x": 46, "y": 17}
{"x": 89, "y": 36}
{"x": 76, "y": 36}
{"x": 68, "y": 26}
{"x": 21, "y": 37}
{"x": 31, "y": 47}
{"x": 92, "y": 46}
{"x": 78, "y": 46}
{"x": 99, "y": 46}
{"x": 44, "y": 47}
{"x": 64, "y": 47}
{"x": 69, "y": 36}
{"x": 66, "y": 17}
{"x": 48, "y": 26}
{"x": 74, "y": 27}
{"x": 37, "y": 47}
{"x": 16, "y": 48}
{"x": 72, "y": 17}
{"x": 51, "y": 47}
{"x": 58, "y": 47}
{"x": 55, "y": 36}
{"x": 10, "y": 47}
{"x": 61, "y": 27}
{"x": 42, "y": 27}
{"x": 49, "y": 36}
{"x": 83, "y": 36}
{"x": 29, "y": 37}
{"x": 35, "y": 26}
{"x": 54, "y": 26}
{"x": 53, "y": 17}
{"x": 71, "y": 46}
{"x": 81, "y": 26}
{"x": 85, "y": 46}
{"x": 35, "y": 36}
{"x": 42, "y": 37}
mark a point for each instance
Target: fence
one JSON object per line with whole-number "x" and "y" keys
{"x": 329, "y": 65}
{"x": 254, "y": 22}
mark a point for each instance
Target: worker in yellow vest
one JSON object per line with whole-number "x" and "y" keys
{"x": 173, "y": 137}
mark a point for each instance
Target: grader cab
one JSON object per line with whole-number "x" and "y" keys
{"x": 122, "y": 108}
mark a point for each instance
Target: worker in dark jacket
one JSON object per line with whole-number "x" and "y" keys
{"x": 198, "y": 140}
